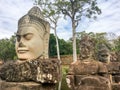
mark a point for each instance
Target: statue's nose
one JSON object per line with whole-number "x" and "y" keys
{"x": 21, "y": 44}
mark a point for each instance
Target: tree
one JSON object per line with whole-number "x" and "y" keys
{"x": 65, "y": 46}
{"x": 49, "y": 11}
{"x": 75, "y": 10}
{"x": 7, "y": 49}
{"x": 117, "y": 44}
{"x": 52, "y": 46}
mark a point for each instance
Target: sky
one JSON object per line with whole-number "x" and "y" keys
{"x": 108, "y": 21}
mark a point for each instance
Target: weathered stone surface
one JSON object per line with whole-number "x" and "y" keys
{"x": 88, "y": 73}
{"x": 95, "y": 81}
{"x": 32, "y": 40}
{"x": 92, "y": 88}
{"x": 91, "y": 80}
{"x": 116, "y": 78}
{"x": 115, "y": 86}
{"x": 118, "y": 56}
{"x": 88, "y": 82}
{"x": 103, "y": 53}
{"x": 32, "y": 37}
{"x": 87, "y": 67}
{"x": 25, "y": 86}
{"x": 114, "y": 71}
{"x": 113, "y": 57}
{"x": 43, "y": 71}
{"x": 114, "y": 67}
{"x": 87, "y": 45}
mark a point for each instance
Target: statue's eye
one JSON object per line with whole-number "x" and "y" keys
{"x": 18, "y": 38}
{"x": 105, "y": 55}
{"x": 28, "y": 36}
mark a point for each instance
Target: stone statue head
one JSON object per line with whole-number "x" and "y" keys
{"x": 103, "y": 53}
{"x": 86, "y": 47}
{"x": 32, "y": 37}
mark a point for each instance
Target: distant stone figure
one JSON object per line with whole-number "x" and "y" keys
{"x": 87, "y": 45}
{"x": 33, "y": 64}
{"x": 103, "y": 54}
{"x": 32, "y": 36}
{"x": 87, "y": 73}
{"x": 113, "y": 57}
{"x": 110, "y": 59}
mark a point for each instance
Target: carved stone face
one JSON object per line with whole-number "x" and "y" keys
{"x": 104, "y": 57}
{"x": 85, "y": 52}
{"x": 29, "y": 43}
{"x": 86, "y": 48}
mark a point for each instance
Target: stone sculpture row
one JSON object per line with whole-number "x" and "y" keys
{"x": 35, "y": 71}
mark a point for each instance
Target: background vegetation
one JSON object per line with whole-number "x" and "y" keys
{"x": 7, "y": 46}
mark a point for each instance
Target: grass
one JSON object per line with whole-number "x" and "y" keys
{"x": 64, "y": 72}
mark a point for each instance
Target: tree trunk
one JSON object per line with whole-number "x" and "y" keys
{"x": 57, "y": 44}
{"x": 74, "y": 41}
{"x": 58, "y": 56}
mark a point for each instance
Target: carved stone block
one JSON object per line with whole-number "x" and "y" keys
{"x": 25, "y": 86}
{"x": 115, "y": 86}
{"x": 42, "y": 71}
{"x": 88, "y": 82}
{"x": 114, "y": 67}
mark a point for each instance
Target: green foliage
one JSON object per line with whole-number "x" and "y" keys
{"x": 100, "y": 38}
{"x": 65, "y": 69}
{"x": 7, "y": 49}
{"x": 64, "y": 72}
{"x": 75, "y": 9}
{"x": 52, "y": 45}
{"x": 65, "y": 46}
{"x": 48, "y": 9}
{"x": 117, "y": 44}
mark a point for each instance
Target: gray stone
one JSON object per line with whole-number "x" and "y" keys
{"x": 88, "y": 73}
{"x": 115, "y": 86}
{"x": 33, "y": 70}
{"x": 43, "y": 71}
{"x": 25, "y": 86}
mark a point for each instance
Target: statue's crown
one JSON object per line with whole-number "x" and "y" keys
{"x": 34, "y": 16}
{"x": 35, "y": 11}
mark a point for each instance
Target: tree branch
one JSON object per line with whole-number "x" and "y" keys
{"x": 64, "y": 11}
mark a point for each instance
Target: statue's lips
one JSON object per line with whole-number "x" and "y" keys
{"x": 22, "y": 50}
